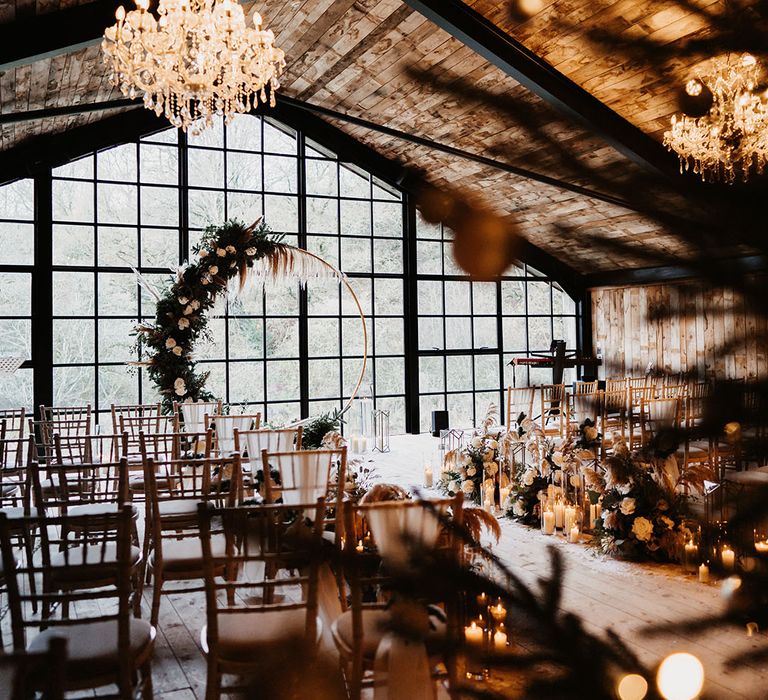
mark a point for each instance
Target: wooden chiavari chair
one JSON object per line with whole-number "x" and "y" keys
{"x": 66, "y": 413}
{"x": 224, "y": 427}
{"x": 657, "y": 415}
{"x": 132, "y": 426}
{"x": 553, "y": 409}
{"x": 582, "y": 404}
{"x": 616, "y": 384}
{"x": 699, "y": 389}
{"x": 613, "y": 417}
{"x": 519, "y": 400}
{"x": 697, "y": 448}
{"x": 14, "y": 420}
{"x": 258, "y": 622}
{"x": 303, "y": 476}
{"x": 103, "y": 648}
{"x": 393, "y": 535}
{"x": 639, "y": 389}
{"x": 172, "y": 543}
{"x": 98, "y": 491}
{"x": 251, "y": 444}
{"x": 87, "y": 449}
{"x": 34, "y": 674}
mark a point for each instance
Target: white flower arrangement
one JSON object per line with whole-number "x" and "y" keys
{"x": 188, "y": 309}
{"x": 221, "y": 252}
{"x": 195, "y": 304}
{"x": 203, "y": 253}
{"x": 231, "y": 249}
{"x": 250, "y": 252}
{"x": 468, "y": 486}
{"x": 180, "y": 386}
{"x": 628, "y": 505}
{"x": 183, "y": 323}
{"x": 213, "y": 269}
{"x": 642, "y": 529}
{"x": 178, "y": 351}
{"x": 170, "y": 343}
{"x": 183, "y": 300}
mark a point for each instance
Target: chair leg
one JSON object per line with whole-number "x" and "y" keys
{"x": 213, "y": 681}
{"x": 29, "y": 553}
{"x": 156, "y": 591}
{"x": 147, "y": 692}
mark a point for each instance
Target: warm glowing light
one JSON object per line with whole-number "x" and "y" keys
{"x": 694, "y": 87}
{"x": 680, "y": 677}
{"x": 632, "y": 687}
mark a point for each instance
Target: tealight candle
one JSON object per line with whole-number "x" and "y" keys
{"x": 500, "y": 639}
{"x": 499, "y": 612}
{"x": 360, "y": 547}
{"x": 574, "y": 534}
{"x": 703, "y": 574}
{"x": 548, "y": 527}
{"x": 762, "y": 546}
{"x": 728, "y": 557}
{"x": 482, "y": 600}
{"x": 473, "y": 634}
{"x": 568, "y": 518}
{"x": 428, "y": 476}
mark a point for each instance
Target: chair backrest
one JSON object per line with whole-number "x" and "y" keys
{"x": 259, "y": 541}
{"x": 586, "y": 405}
{"x": 673, "y": 391}
{"x": 699, "y": 389}
{"x": 658, "y": 414}
{"x": 38, "y": 674}
{"x": 694, "y": 410}
{"x": 104, "y": 545}
{"x": 302, "y": 476}
{"x": 191, "y": 414}
{"x": 616, "y": 384}
{"x": 14, "y": 449}
{"x": 168, "y": 447}
{"x": 553, "y": 409}
{"x": 14, "y": 482}
{"x": 580, "y": 388}
{"x": 81, "y": 485}
{"x": 133, "y": 426}
{"x": 519, "y": 400}
{"x": 66, "y": 413}
{"x": 252, "y": 443}
{"x": 15, "y": 423}
{"x": 85, "y": 449}
{"x": 224, "y": 427}
{"x": 142, "y": 410}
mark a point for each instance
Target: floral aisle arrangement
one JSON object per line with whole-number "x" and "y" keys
{"x": 475, "y": 466}
{"x": 642, "y": 514}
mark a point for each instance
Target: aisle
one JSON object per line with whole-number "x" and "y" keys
{"x": 607, "y": 593}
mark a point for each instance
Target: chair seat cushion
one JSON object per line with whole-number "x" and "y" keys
{"x": 98, "y": 508}
{"x": 66, "y": 566}
{"x": 245, "y": 636}
{"x": 92, "y": 648}
{"x": 187, "y": 554}
{"x": 137, "y": 482}
{"x": 375, "y": 623}
{"x": 179, "y": 507}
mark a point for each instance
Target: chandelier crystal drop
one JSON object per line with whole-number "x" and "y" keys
{"x": 198, "y": 59}
{"x": 730, "y": 141}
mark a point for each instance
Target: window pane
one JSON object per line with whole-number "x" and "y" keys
{"x": 73, "y": 341}
{"x": 15, "y": 294}
{"x": 117, "y": 163}
{"x": 205, "y": 208}
{"x": 118, "y": 384}
{"x": 324, "y": 378}
{"x": 244, "y": 171}
{"x": 116, "y": 340}
{"x": 322, "y": 215}
{"x": 389, "y": 297}
{"x": 538, "y": 298}
{"x": 458, "y": 333}
{"x": 212, "y": 136}
{"x": 279, "y": 139}
{"x": 389, "y": 336}
{"x": 282, "y": 337}
{"x": 15, "y": 340}
{"x": 17, "y": 390}
{"x": 458, "y": 373}
{"x": 539, "y": 334}
{"x": 390, "y": 375}
{"x": 159, "y": 247}
{"x": 244, "y": 206}
{"x": 388, "y": 219}
{"x": 159, "y": 164}
{"x": 246, "y": 382}
{"x": 244, "y": 133}
{"x": 485, "y": 332}
{"x": 460, "y": 410}
{"x": 282, "y": 380}
{"x": 282, "y": 213}
{"x": 159, "y": 206}
{"x": 118, "y": 247}
{"x": 73, "y": 245}
{"x": 429, "y": 257}
{"x": 17, "y": 243}
{"x": 323, "y": 337}
{"x": 457, "y": 298}
{"x": 388, "y": 256}
{"x": 72, "y": 200}
{"x": 81, "y": 168}
{"x": 513, "y": 297}
{"x": 353, "y": 184}
{"x": 487, "y": 372}
{"x": 280, "y": 175}
{"x": 431, "y": 377}
{"x": 355, "y": 218}
{"x": 73, "y": 386}
{"x": 515, "y": 334}
{"x": 246, "y": 338}
{"x": 356, "y": 255}
{"x": 73, "y": 293}
{"x": 118, "y": 294}
{"x": 321, "y": 177}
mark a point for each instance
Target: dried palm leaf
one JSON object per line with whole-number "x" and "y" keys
{"x": 385, "y": 492}
{"x": 475, "y": 519}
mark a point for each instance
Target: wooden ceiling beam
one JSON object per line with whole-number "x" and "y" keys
{"x": 55, "y": 33}
{"x": 496, "y": 46}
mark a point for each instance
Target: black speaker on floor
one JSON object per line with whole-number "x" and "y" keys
{"x": 439, "y": 422}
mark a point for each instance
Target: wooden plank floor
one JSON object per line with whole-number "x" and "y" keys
{"x": 603, "y": 592}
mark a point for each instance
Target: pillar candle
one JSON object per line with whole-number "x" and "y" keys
{"x": 559, "y": 510}
{"x": 569, "y": 518}
{"x": 503, "y": 494}
{"x": 473, "y": 634}
{"x": 500, "y": 640}
{"x": 363, "y": 443}
{"x": 548, "y": 527}
{"x": 428, "y": 478}
{"x": 761, "y": 547}
{"x": 728, "y": 557}
{"x": 704, "y": 573}
{"x": 574, "y": 534}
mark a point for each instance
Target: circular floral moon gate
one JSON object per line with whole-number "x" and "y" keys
{"x": 225, "y": 252}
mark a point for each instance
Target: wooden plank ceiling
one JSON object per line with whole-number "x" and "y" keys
{"x": 382, "y": 61}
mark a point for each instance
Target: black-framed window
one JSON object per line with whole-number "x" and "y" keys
{"x": 469, "y": 331}
{"x": 17, "y": 257}
{"x": 280, "y": 349}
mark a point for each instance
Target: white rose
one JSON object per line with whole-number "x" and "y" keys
{"x": 628, "y": 506}
{"x": 180, "y": 387}
{"x": 195, "y": 304}
{"x": 558, "y": 459}
{"x": 518, "y": 509}
{"x": 642, "y": 529}
{"x": 183, "y": 323}
{"x": 468, "y": 486}
{"x": 493, "y": 444}
{"x": 213, "y": 269}
{"x": 206, "y": 281}
{"x": 471, "y": 471}
{"x": 250, "y": 251}
{"x": 177, "y": 350}
{"x": 188, "y": 309}
{"x": 528, "y": 477}
{"x": 231, "y": 249}
{"x": 590, "y": 433}
{"x": 203, "y": 253}
{"x": 476, "y": 442}
{"x": 221, "y": 252}
{"x": 490, "y": 468}
{"x": 183, "y": 300}
{"x": 170, "y": 343}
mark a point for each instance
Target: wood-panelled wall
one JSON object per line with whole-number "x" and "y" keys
{"x": 678, "y": 328}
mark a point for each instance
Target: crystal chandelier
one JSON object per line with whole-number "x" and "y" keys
{"x": 196, "y": 60}
{"x": 724, "y": 134}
